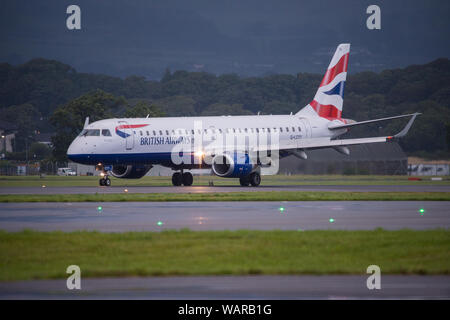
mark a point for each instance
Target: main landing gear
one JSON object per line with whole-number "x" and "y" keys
{"x": 253, "y": 179}
{"x": 182, "y": 178}
{"x": 104, "y": 181}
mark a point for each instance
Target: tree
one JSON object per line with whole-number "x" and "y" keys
{"x": 142, "y": 109}
{"x": 220, "y": 109}
{"x": 69, "y": 118}
{"x": 177, "y": 106}
{"x": 39, "y": 151}
{"x": 278, "y": 107}
{"x": 26, "y": 118}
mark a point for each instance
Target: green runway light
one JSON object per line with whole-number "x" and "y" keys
{"x": 422, "y": 211}
{"x": 281, "y": 209}
{"x": 159, "y": 223}
{"x": 99, "y": 208}
{"x": 331, "y": 220}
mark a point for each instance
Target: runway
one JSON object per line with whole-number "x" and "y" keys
{"x": 215, "y": 189}
{"x": 260, "y": 215}
{"x": 234, "y": 287}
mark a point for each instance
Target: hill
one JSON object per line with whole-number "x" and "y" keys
{"x": 30, "y": 93}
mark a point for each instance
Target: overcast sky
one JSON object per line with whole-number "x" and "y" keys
{"x": 248, "y": 37}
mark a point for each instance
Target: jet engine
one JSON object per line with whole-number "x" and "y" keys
{"x": 232, "y": 165}
{"x": 130, "y": 171}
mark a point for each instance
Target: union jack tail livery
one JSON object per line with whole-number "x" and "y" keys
{"x": 329, "y": 98}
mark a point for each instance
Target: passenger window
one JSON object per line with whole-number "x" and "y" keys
{"x": 234, "y": 130}
{"x": 299, "y": 129}
{"x": 167, "y": 132}
{"x": 257, "y": 130}
{"x": 154, "y": 132}
{"x": 160, "y": 132}
{"x": 192, "y": 131}
{"x": 281, "y": 129}
{"x": 140, "y": 132}
{"x": 148, "y": 133}
{"x": 106, "y": 133}
{"x": 293, "y": 129}
{"x": 246, "y": 130}
{"x": 287, "y": 129}
{"x": 268, "y": 129}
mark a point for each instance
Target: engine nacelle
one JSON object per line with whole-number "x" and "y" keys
{"x": 232, "y": 165}
{"x": 130, "y": 171}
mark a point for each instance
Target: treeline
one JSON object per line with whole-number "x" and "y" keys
{"x": 45, "y": 95}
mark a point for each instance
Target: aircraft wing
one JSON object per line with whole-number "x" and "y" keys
{"x": 326, "y": 142}
{"x": 334, "y": 126}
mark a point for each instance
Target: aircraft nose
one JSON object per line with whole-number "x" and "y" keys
{"x": 74, "y": 149}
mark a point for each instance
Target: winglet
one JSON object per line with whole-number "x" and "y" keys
{"x": 406, "y": 128}
{"x": 86, "y": 122}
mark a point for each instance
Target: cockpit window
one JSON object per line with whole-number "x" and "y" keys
{"x": 107, "y": 133}
{"x": 90, "y": 132}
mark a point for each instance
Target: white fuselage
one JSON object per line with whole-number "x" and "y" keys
{"x": 153, "y": 140}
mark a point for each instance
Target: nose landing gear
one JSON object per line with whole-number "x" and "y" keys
{"x": 105, "y": 181}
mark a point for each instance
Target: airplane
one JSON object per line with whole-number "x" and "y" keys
{"x": 232, "y": 146}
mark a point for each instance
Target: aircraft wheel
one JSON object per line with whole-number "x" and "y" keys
{"x": 255, "y": 179}
{"x": 244, "y": 181}
{"x": 177, "y": 179}
{"x": 101, "y": 182}
{"x": 107, "y": 182}
{"x": 188, "y": 179}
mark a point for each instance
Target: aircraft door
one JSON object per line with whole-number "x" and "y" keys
{"x": 127, "y": 133}
{"x": 306, "y": 128}
{"x": 305, "y": 133}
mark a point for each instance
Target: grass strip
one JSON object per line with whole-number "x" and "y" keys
{"x": 45, "y": 255}
{"x": 233, "y": 196}
{"x": 274, "y": 180}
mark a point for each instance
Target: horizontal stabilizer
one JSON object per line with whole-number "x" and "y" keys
{"x": 334, "y": 126}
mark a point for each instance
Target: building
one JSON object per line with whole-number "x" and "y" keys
{"x": 7, "y": 136}
{"x": 376, "y": 158}
{"x": 422, "y": 167}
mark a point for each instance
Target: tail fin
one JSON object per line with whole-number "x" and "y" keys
{"x": 329, "y": 99}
